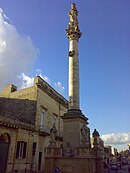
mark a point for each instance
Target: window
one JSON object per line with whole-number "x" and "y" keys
{"x": 42, "y": 119}
{"x": 21, "y": 149}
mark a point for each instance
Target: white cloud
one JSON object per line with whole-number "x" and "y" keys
{"x": 26, "y": 81}
{"x": 59, "y": 87}
{"x": 17, "y": 57}
{"x": 118, "y": 140}
{"x": 17, "y": 53}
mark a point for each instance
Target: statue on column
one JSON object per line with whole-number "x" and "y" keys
{"x": 73, "y": 17}
{"x": 73, "y": 14}
{"x": 73, "y": 27}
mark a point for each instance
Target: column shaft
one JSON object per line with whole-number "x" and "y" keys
{"x": 74, "y": 76}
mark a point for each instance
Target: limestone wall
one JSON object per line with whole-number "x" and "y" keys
{"x": 20, "y": 105}
{"x": 52, "y": 112}
{"x": 13, "y": 163}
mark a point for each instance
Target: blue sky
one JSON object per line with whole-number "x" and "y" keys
{"x": 104, "y": 54}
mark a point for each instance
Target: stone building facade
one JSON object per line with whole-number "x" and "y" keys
{"x": 26, "y": 117}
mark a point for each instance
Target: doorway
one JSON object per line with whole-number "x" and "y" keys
{"x": 4, "y": 147}
{"x": 39, "y": 161}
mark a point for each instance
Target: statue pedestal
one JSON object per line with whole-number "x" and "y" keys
{"x": 73, "y": 120}
{"x": 83, "y": 160}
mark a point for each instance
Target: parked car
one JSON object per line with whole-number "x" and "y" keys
{"x": 114, "y": 166}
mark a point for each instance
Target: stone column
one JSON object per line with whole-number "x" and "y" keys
{"x": 73, "y": 33}
{"x": 74, "y": 76}
{"x": 73, "y": 120}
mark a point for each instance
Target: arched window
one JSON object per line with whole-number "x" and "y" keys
{"x": 5, "y": 138}
{"x": 4, "y": 147}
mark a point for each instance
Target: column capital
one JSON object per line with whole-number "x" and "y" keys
{"x": 73, "y": 31}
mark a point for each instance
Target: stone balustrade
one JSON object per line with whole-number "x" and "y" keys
{"x": 53, "y": 152}
{"x": 84, "y": 152}
{"x": 79, "y": 152}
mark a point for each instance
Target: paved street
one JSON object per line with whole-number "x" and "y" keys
{"x": 123, "y": 170}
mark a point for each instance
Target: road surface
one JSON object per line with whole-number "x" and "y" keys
{"x": 123, "y": 170}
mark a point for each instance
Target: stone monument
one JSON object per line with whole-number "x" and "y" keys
{"x": 77, "y": 155}
{"x": 73, "y": 120}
